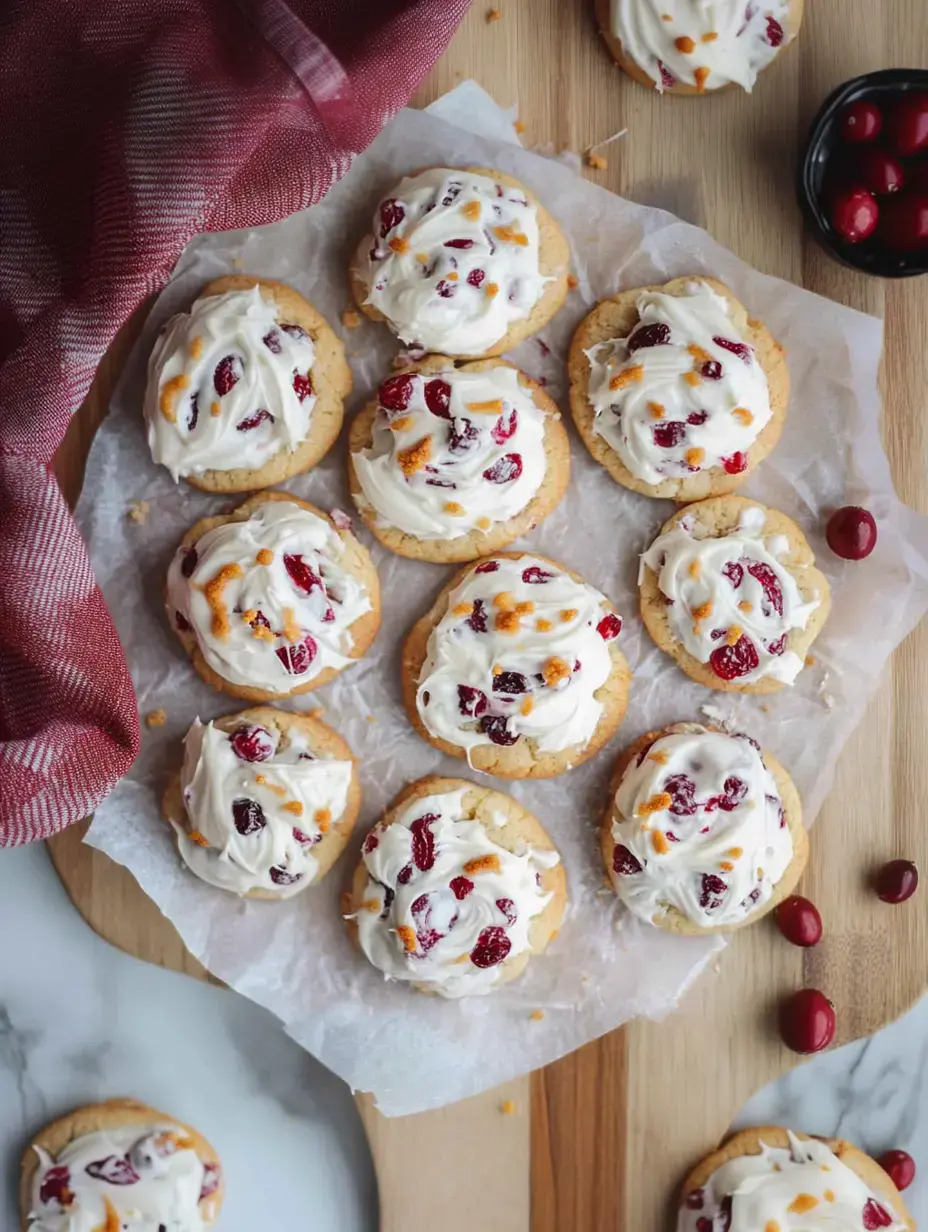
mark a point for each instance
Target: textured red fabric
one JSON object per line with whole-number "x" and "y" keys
{"x": 129, "y": 126}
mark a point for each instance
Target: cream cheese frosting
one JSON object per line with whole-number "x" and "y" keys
{"x": 453, "y": 260}
{"x": 703, "y": 43}
{"x": 800, "y": 1189}
{"x": 452, "y": 452}
{"x": 444, "y": 905}
{"x": 732, "y": 602}
{"x": 520, "y": 652}
{"x": 256, "y": 810}
{"x": 268, "y": 598}
{"x": 683, "y": 393}
{"x": 140, "y": 1179}
{"x": 229, "y": 386}
{"x": 699, "y": 827}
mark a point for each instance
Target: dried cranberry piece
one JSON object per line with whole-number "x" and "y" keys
{"x": 510, "y": 682}
{"x": 656, "y": 334}
{"x": 252, "y": 743}
{"x": 452, "y": 192}
{"x": 777, "y": 647}
{"x": 668, "y": 81}
{"x": 210, "y": 1180}
{"x": 624, "y": 864}
{"x": 695, "y": 1200}
{"x": 751, "y": 741}
{"x": 421, "y": 911}
{"x": 302, "y": 575}
{"x": 295, "y": 331}
{"x": 697, "y": 417}
{"x": 404, "y": 874}
{"x": 54, "y": 1187}
{"x": 725, "y": 1212}
{"x": 490, "y": 566}
{"x": 272, "y": 341}
{"x": 391, "y": 215}
{"x": 506, "y": 469}
{"x": 302, "y": 386}
{"x": 462, "y": 436}
{"x": 774, "y": 32}
{"x": 114, "y": 1170}
{"x": 423, "y": 842}
{"x": 729, "y": 662}
{"x": 445, "y": 289}
{"x": 741, "y": 349}
{"x": 182, "y": 622}
{"x": 496, "y": 726}
{"x": 478, "y": 617}
{"x": 737, "y": 463}
{"x": 682, "y": 791}
{"x": 475, "y": 277}
{"x": 461, "y": 887}
{"x": 609, "y": 627}
{"x": 734, "y": 572}
{"x": 712, "y": 889}
{"x": 734, "y": 789}
{"x": 227, "y": 374}
{"x": 769, "y": 581}
{"x": 505, "y": 427}
{"x": 371, "y": 843}
{"x": 459, "y": 243}
{"x": 297, "y": 659}
{"x": 704, "y": 1224}
{"x": 441, "y": 483}
{"x": 472, "y": 703}
{"x": 668, "y": 435}
{"x": 248, "y": 815}
{"x": 492, "y": 947}
{"x": 437, "y": 398}
{"x": 281, "y": 876}
{"x": 304, "y": 838}
{"x": 260, "y": 621}
{"x": 194, "y": 413}
{"x": 189, "y": 563}
{"x": 711, "y": 370}
{"x": 876, "y": 1216}
{"x": 388, "y": 897}
{"x": 254, "y": 420}
{"x": 508, "y": 908}
{"x": 535, "y": 576}
{"x": 395, "y": 392}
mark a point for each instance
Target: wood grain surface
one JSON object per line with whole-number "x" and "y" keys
{"x": 599, "y": 1140}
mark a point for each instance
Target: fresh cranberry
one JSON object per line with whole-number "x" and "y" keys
{"x": 391, "y": 215}
{"x": 697, "y": 417}
{"x": 510, "y": 682}
{"x": 506, "y": 469}
{"x": 462, "y": 436}
{"x": 254, "y": 420}
{"x": 899, "y": 1167}
{"x": 459, "y": 243}
{"x": 505, "y": 427}
{"x": 624, "y": 864}
{"x": 297, "y": 659}
{"x": 445, "y": 289}
{"x": 54, "y": 1187}
{"x": 668, "y": 435}
{"x": 896, "y": 881}
{"x": 395, "y": 392}
{"x": 854, "y": 214}
{"x": 875, "y": 1216}
{"x": 489, "y": 566}
{"x": 272, "y": 341}
{"x": 283, "y": 877}
{"x": 656, "y": 334}
{"x": 730, "y": 662}
{"x": 881, "y": 173}
{"x": 189, "y": 562}
{"x": 712, "y": 890}
{"x": 734, "y": 572}
{"x": 774, "y": 32}
{"x": 861, "y": 121}
{"x": 771, "y": 586}
{"x": 114, "y": 1170}
{"x": 534, "y": 576}
{"x": 472, "y": 703}
{"x": 777, "y": 647}
{"x": 682, "y": 791}
{"x": 302, "y": 575}
{"x": 668, "y": 81}
{"x": 371, "y": 843}
{"x": 851, "y": 533}
{"x": 478, "y": 617}
{"x": 908, "y": 124}
{"x": 609, "y": 627}
{"x": 228, "y": 373}
{"x": 437, "y": 398}
{"x": 905, "y": 222}
{"x": 475, "y": 277}
{"x": 210, "y": 1180}
{"x": 799, "y": 921}
{"x": 508, "y": 908}
{"x": 423, "y": 842}
{"x": 252, "y": 743}
{"x": 705, "y": 1224}
{"x": 737, "y": 463}
{"x": 695, "y": 1200}
{"x": 711, "y": 370}
{"x": 741, "y": 349}
{"x": 496, "y": 727}
{"x": 182, "y": 622}
{"x": 461, "y": 887}
{"x": 492, "y": 947}
{"x": 248, "y": 816}
{"x": 302, "y": 386}
{"x": 807, "y": 1021}
{"x": 194, "y": 413}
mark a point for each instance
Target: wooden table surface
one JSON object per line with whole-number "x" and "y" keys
{"x": 599, "y": 1140}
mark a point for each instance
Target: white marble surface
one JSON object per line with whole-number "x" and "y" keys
{"x": 80, "y": 1021}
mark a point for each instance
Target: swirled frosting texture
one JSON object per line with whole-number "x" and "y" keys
{"x": 268, "y": 598}
{"x": 229, "y": 386}
{"x": 520, "y": 652}
{"x": 705, "y": 43}
{"x": 684, "y": 392}
{"x": 256, "y": 810}
{"x": 699, "y": 827}
{"x": 453, "y": 260}
{"x": 444, "y": 905}
{"x": 453, "y": 452}
{"x": 801, "y": 1189}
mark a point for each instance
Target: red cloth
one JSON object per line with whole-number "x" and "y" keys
{"x": 129, "y": 126}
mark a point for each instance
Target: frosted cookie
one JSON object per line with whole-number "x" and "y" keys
{"x": 675, "y": 390}
{"x": 264, "y": 803}
{"x": 272, "y": 599}
{"x": 516, "y": 668}
{"x": 729, "y": 589}
{"x": 690, "y": 47}
{"x": 703, "y": 831}
{"x": 457, "y": 888}
{"x": 770, "y": 1178}
{"x": 119, "y": 1165}
{"x": 452, "y": 461}
{"x": 246, "y": 388}
{"x": 461, "y": 261}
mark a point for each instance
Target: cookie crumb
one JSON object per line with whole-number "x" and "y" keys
{"x": 537, "y": 1015}
{"x": 156, "y": 718}
{"x": 507, "y": 1107}
{"x": 493, "y": 15}
{"x": 596, "y": 161}
{"x": 518, "y": 126}
{"x": 138, "y": 512}
{"x": 810, "y": 661}
{"x": 573, "y": 282}
{"x": 351, "y": 319}
{"x": 369, "y": 718}
{"x": 765, "y": 708}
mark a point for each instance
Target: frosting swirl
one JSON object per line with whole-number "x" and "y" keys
{"x": 705, "y": 43}
{"x": 444, "y": 905}
{"x": 796, "y": 1190}
{"x": 521, "y": 651}
{"x": 268, "y": 599}
{"x": 453, "y": 452}
{"x": 229, "y": 386}
{"x": 257, "y": 807}
{"x": 141, "y": 1179}
{"x": 733, "y": 604}
{"x": 453, "y": 260}
{"x": 683, "y": 393}
{"x": 699, "y": 826}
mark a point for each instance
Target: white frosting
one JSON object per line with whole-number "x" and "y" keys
{"x": 309, "y": 631}
{"x": 229, "y": 386}
{"x": 748, "y": 34}
{"x": 549, "y": 675}
{"x": 458, "y": 923}
{"x": 700, "y": 815}
{"x": 150, "y": 1178}
{"x": 486, "y": 454}
{"x": 261, "y": 818}
{"x": 686, "y": 404}
{"x": 453, "y": 260}
{"x": 723, "y": 579}
{"x": 797, "y": 1190}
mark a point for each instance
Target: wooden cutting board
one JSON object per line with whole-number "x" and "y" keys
{"x": 598, "y": 1141}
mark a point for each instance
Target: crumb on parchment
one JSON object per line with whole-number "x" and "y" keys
{"x": 138, "y": 512}
{"x": 156, "y": 718}
{"x": 537, "y": 1015}
{"x": 507, "y": 1107}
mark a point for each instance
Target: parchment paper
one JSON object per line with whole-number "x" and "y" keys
{"x": 416, "y": 1052}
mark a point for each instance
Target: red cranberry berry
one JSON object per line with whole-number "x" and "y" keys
{"x": 899, "y": 1167}
{"x": 305, "y": 839}
{"x": 391, "y": 215}
{"x": 854, "y": 214}
{"x": 713, "y": 890}
{"x": 477, "y": 620}
{"x": 682, "y": 791}
{"x": 807, "y": 1021}
{"x": 697, "y": 418}
{"x": 459, "y": 243}
{"x": 496, "y": 727}
{"x": 771, "y": 586}
{"x": 861, "y": 121}
{"x": 624, "y": 864}
{"x": 737, "y": 463}
{"x": 711, "y": 370}
{"x": 904, "y": 225}
{"x": 851, "y": 533}
{"x": 492, "y": 947}
{"x": 506, "y": 469}
{"x": 734, "y": 572}
{"x": 896, "y": 881}
{"x": 730, "y": 662}
{"x": 462, "y": 436}
{"x": 254, "y": 420}
{"x": 668, "y": 435}
{"x": 302, "y": 575}
{"x": 272, "y": 341}
{"x": 908, "y": 124}
{"x": 445, "y": 289}
{"x": 54, "y": 1187}
{"x": 535, "y": 576}
{"x": 371, "y": 843}
{"x": 114, "y": 1170}
{"x": 875, "y": 1216}
{"x": 438, "y": 397}
{"x": 508, "y": 908}
{"x": 695, "y": 1200}
{"x": 880, "y": 172}
{"x": 774, "y": 32}
{"x": 461, "y": 887}
{"x": 656, "y": 334}
{"x": 505, "y": 427}
{"x": 228, "y": 373}
{"x": 489, "y": 566}
{"x": 799, "y": 921}
{"x": 395, "y": 392}
{"x": 510, "y": 683}
{"x": 472, "y": 703}
{"x": 741, "y": 349}
{"x": 668, "y": 81}
{"x": 295, "y": 331}
{"x": 297, "y": 659}
{"x": 194, "y": 413}
{"x": 248, "y": 816}
{"x": 281, "y": 876}
{"x": 475, "y": 277}
{"x": 210, "y": 1180}
{"x": 252, "y": 743}
{"x": 609, "y": 627}
{"x": 423, "y": 842}
{"x": 302, "y": 386}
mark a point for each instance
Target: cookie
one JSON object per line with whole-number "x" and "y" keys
{"x": 265, "y": 802}
{"x": 272, "y": 599}
{"x": 102, "y": 1161}
{"x": 730, "y": 591}
{"x": 685, "y": 47}
{"x": 486, "y": 269}
{"x": 780, "y": 1173}
{"x": 675, "y": 390}
{"x": 703, "y": 831}
{"x": 516, "y": 668}
{"x": 246, "y": 389}
{"x": 457, "y": 888}
{"x": 453, "y": 460}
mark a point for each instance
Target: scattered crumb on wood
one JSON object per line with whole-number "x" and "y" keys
{"x": 156, "y": 718}
{"x": 493, "y": 15}
{"x": 573, "y": 281}
{"x": 596, "y": 161}
{"x": 518, "y": 126}
{"x": 507, "y": 1107}
{"x": 351, "y": 319}
{"x": 138, "y": 511}
{"x": 537, "y": 1015}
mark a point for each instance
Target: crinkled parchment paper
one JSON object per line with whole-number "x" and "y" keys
{"x": 416, "y": 1052}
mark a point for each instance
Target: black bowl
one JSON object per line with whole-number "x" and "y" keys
{"x": 824, "y": 143}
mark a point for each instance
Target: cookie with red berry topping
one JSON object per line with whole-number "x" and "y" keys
{"x": 730, "y": 591}
{"x": 675, "y": 390}
{"x": 454, "y": 460}
{"x": 458, "y": 888}
{"x": 264, "y": 803}
{"x": 246, "y": 388}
